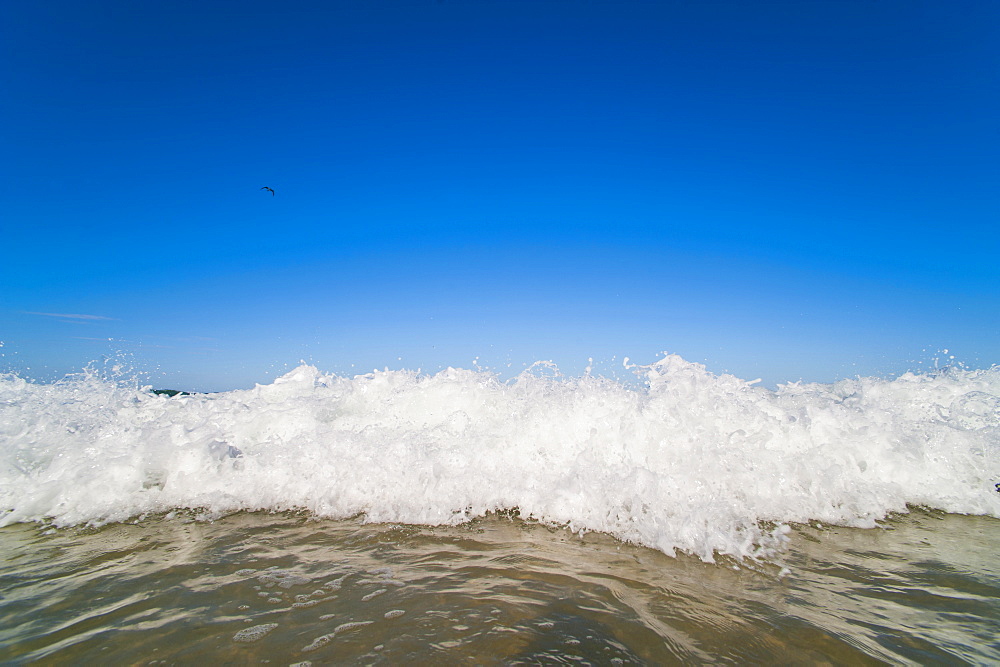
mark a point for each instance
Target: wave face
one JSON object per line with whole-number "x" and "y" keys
{"x": 692, "y": 461}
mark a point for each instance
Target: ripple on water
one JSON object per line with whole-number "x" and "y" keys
{"x": 281, "y": 589}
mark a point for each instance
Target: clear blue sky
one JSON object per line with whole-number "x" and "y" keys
{"x": 787, "y": 190}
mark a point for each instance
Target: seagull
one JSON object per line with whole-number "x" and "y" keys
{"x": 268, "y": 189}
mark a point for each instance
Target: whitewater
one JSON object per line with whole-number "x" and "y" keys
{"x": 683, "y": 461}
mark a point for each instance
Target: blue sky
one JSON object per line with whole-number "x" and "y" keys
{"x": 785, "y": 190}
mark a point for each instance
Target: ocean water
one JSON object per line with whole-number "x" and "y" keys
{"x": 404, "y": 517}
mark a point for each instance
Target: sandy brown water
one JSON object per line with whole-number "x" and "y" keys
{"x": 283, "y": 589}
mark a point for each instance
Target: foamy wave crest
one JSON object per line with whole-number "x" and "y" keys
{"x": 707, "y": 464}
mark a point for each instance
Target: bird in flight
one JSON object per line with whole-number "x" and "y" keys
{"x": 268, "y": 189}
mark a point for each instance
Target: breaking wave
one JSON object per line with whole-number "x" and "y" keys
{"x": 687, "y": 460}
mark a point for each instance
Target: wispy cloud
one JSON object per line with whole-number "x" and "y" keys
{"x": 71, "y": 316}
{"x": 102, "y": 340}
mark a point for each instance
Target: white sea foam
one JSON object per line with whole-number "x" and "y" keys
{"x": 708, "y": 464}
{"x": 255, "y": 633}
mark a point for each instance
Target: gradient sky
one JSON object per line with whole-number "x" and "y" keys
{"x": 785, "y": 190}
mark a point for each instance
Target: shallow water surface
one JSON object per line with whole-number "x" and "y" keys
{"x": 288, "y": 588}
